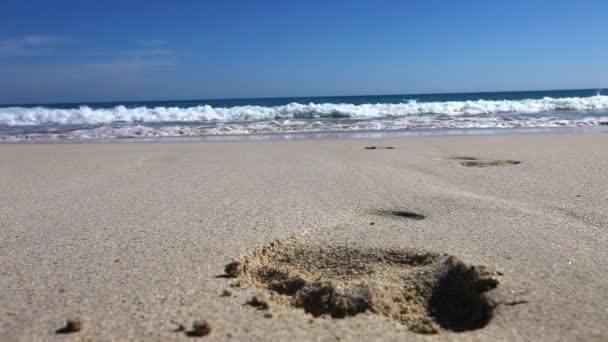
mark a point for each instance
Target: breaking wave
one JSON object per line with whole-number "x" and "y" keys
{"x": 22, "y": 116}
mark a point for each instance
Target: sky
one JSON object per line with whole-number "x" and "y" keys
{"x": 85, "y": 50}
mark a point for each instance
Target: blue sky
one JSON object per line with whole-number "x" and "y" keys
{"x": 85, "y": 50}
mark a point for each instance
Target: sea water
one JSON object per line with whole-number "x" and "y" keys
{"x": 311, "y": 116}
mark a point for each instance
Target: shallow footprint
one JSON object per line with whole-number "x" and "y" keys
{"x": 486, "y": 163}
{"x": 428, "y": 292}
{"x": 379, "y": 147}
{"x": 474, "y": 162}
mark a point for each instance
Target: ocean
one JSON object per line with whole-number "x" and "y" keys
{"x": 309, "y": 116}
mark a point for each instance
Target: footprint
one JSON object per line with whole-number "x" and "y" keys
{"x": 486, "y": 163}
{"x": 427, "y": 292}
{"x": 474, "y": 162}
{"x": 379, "y": 148}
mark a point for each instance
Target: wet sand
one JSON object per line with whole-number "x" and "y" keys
{"x": 132, "y": 240}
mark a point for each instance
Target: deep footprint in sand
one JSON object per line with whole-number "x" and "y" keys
{"x": 474, "y": 162}
{"x": 428, "y": 292}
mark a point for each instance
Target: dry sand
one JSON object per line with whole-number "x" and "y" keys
{"x": 130, "y": 241}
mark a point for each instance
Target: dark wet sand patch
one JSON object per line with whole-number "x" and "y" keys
{"x": 427, "y": 292}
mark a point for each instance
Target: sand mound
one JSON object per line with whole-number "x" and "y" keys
{"x": 428, "y": 292}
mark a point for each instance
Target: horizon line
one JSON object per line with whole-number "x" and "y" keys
{"x": 599, "y": 89}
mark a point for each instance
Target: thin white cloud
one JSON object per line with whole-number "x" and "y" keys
{"x": 145, "y": 52}
{"x": 151, "y": 43}
{"x": 125, "y": 66}
{"x": 30, "y": 45}
{"x": 125, "y": 62}
{"x": 144, "y": 49}
{"x": 37, "y": 40}
{"x": 135, "y": 52}
{"x": 15, "y": 50}
{"x": 88, "y": 70}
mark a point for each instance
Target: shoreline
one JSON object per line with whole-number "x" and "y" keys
{"x": 331, "y": 135}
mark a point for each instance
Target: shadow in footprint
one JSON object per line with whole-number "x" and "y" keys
{"x": 455, "y": 303}
{"x": 401, "y": 213}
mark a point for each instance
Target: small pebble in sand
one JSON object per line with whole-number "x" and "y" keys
{"x": 180, "y": 327}
{"x": 226, "y": 293}
{"x": 258, "y": 303}
{"x": 71, "y": 326}
{"x": 199, "y": 329}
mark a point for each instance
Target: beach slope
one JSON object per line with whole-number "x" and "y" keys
{"x": 133, "y": 239}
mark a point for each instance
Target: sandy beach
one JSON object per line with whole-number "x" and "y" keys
{"x": 133, "y": 239}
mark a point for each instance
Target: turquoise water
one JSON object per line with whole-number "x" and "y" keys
{"x": 342, "y": 114}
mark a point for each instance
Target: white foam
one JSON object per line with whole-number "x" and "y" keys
{"x": 289, "y": 126}
{"x": 20, "y": 116}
